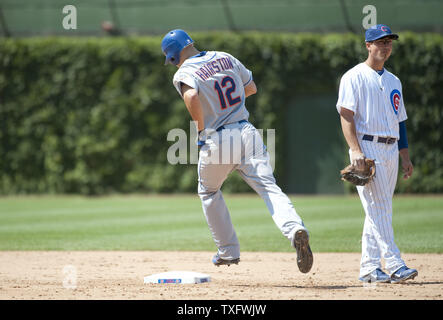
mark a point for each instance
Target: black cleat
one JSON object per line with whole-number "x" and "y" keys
{"x": 216, "y": 260}
{"x": 304, "y": 253}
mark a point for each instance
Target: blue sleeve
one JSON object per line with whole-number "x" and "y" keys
{"x": 403, "y": 141}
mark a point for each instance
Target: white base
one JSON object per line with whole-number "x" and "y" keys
{"x": 178, "y": 277}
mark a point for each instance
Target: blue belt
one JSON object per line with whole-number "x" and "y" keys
{"x": 387, "y": 140}
{"x": 223, "y": 127}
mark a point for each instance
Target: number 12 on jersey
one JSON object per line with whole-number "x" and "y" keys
{"x": 227, "y": 94}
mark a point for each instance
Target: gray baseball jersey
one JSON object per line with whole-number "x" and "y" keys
{"x": 219, "y": 79}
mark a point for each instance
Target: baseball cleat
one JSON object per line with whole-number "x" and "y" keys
{"x": 304, "y": 253}
{"x": 403, "y": 274}
{"x": 377, "y": 276}
{"x": 216, "y": 260}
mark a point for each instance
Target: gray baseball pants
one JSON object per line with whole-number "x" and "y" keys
{"x": 239, "y": 146}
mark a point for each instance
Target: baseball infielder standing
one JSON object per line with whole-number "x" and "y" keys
{"x": 214, "y": 86}
{"x": 372, "y": 114}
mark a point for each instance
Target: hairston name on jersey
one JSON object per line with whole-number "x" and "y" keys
{"x": 213, "y": 67}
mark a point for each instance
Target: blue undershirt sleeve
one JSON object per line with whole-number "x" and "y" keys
{"x": 403, "y": 141}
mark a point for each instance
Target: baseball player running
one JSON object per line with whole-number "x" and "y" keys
{"x": 214, "y": 86}
{"x": 372, "y": 114}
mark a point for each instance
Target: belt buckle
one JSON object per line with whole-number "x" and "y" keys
{"x": 386, "y": 140}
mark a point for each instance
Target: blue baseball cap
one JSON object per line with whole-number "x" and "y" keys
{"x": 379, "y": 31}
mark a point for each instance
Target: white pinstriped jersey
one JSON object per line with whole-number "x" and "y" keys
{"x": 376, "y": 100}
{"x": 219, "y": 79}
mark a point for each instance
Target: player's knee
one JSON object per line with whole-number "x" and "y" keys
{"x": 205, "y": 192}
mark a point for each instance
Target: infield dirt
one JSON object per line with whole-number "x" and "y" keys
{"x": 43, "y": 275}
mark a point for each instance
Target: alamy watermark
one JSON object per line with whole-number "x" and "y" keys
{"x": 70, "y": 20}
{"x": 232, "y": 145}
{"x": 371, "y": 16}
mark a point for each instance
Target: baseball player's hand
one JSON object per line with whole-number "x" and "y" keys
{"x": 406, "y": 163}
{"x": 407, "y": 168}
{"x": 201, "y": 139}
{"x": 358, "y": 159}
{"x": 203, "y": 136}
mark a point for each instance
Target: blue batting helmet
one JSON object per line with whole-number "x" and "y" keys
{"x": 173, "y": 43}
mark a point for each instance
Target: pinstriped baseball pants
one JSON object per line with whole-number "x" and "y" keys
{"x": 376, "y": 197}
{"x": 256, "y": 170}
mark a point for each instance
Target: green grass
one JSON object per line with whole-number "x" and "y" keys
{"x": 177, "y": 223}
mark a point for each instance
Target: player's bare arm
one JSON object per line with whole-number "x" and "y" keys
{"x": 250, "y": 89}
{"x": 349, "y": 132}
{"x": 406, "y": 163}
{"x": 193, "y": 104}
